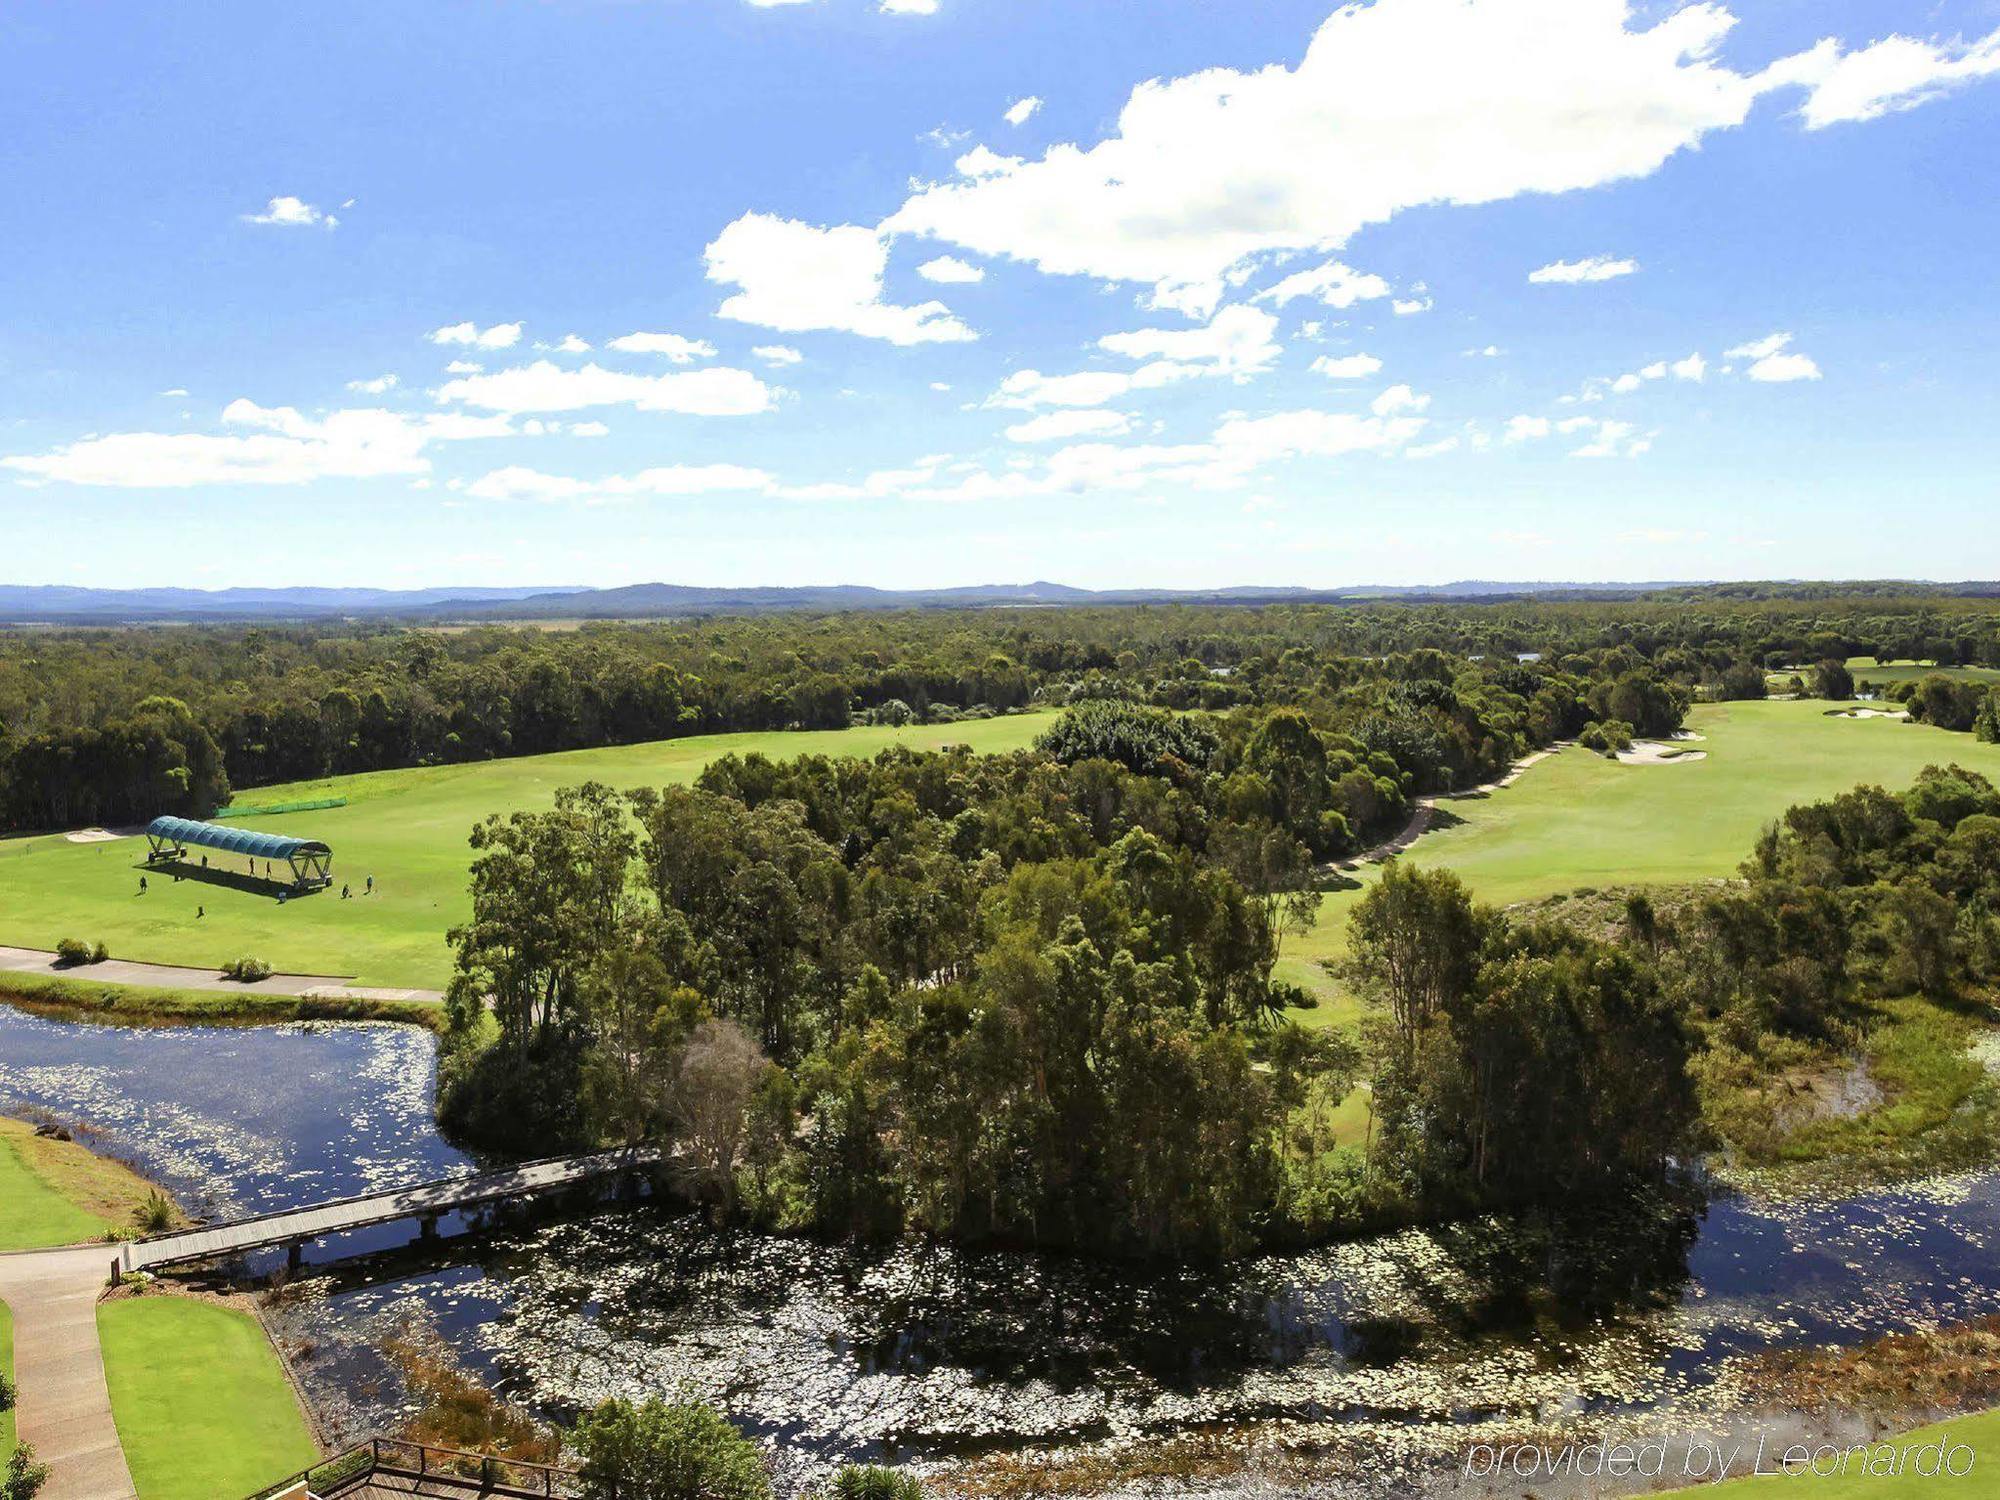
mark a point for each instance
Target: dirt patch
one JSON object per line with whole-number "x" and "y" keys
{"x": 1836, "y": 1093}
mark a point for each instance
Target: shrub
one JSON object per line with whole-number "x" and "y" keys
{"x": 247, "y": 970}
{"x": 6, "y": 1392}
{"x": 155, "y": 1213}
{"x": 658, "y": 1451}
{"x": 76, "y": 951}
{"x": 99, "y": 953}
{"x": 873, "y": 1482}
{"x": 23, "y": 1478}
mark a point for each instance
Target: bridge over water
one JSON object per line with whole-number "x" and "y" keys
{"x": 295, "y": 1228}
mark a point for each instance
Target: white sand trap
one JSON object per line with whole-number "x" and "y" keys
{"x": 1869, "y": 713}
{"x": 94, "y": 836}
{"x": 1685, "y": 736}
{"x": 1657, "y": 753}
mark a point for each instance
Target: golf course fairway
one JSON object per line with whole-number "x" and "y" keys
{"x": 405, "y": 828}
{"x": 1577, "y": 819}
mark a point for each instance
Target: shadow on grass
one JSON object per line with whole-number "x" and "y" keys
{"x": 229, "y": 880}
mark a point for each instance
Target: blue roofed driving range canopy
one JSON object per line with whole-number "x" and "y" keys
{"x": 310, "y": 860}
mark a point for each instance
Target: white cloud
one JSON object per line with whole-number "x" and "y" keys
{"x": 795, "y": 277}
{"x": 273, "y": 445}
{"x": 1572, "y": 272}
{"x": 175, "y": 391}
{"x": 288, "y": 212}
{"x": 679, "y": 350}
{"x": 1334, "y": 284}
{"x": 373, "y": 387}
{"x": 982, "y": 161}
{"x": 1394, "y": 105}
{"x": 1398, "y": 398}
{"x": 1491, "y": 351}
{"x": 1759, "y": 348}
{"x": 471, "y": 335}
{"x": 1526, "y": 429}
{"x": 1236, "y": 342}
{"x": 1073, "y": 423}
{"x": 571, "y": 344}
{"x": 908, "y": 7}
{"x": 1022, "y": 110}
{"x": 1431, "y": 450}
{"x": 949, "y": 268}
{"x": 1025, "y": 390}
{"x": 1613, "y": 440}
{"x": 463, "y": 367}
{"x": 545, "y": 387}
{"x": 518, "y": 483}
{"x": 767, "y": 4}
{"x": 777, "y": 354}
{"x": 589, "y": 430}
{"x": 1694, "y": 367}
{"x": 1405, "y": 307}
{"x": 1896, "y": 73}
{"x": 1778, "y": 369}
{"x": 1346, "y": 366}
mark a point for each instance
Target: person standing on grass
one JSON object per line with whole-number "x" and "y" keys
{"x": 371, "y": 885}
{"x": 201, "y": 911}
{"x": 142, "y": 885}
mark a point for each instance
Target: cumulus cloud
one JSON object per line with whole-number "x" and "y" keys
{"x": 796, "y": 277}
{"x": 1236, "y": 342}
{"x": 949, "y": 268}
{"x": 268, "y": 445}
{"x": 1773, "y": 361}
{"x": 1573, "y": 272}
{"x": 1395, "y": 104}
{"x": 518, "y": 483}
{"x": 1346, "y": 366}
{"x": 472, "y": 336}
{"x": 1058, "y": 426}
{"x": 1334, "y": 284}
{"x": 1525, "y": 429}
{"x": 777, "y": 354}
{"x": 287, "y": 212}
{"x": 1896, "y": 73}
{"x": 676, "y": 348}
{"x": 1398, "y": 398}
{"x": 571, "y": 343}
{"x": 375, "y": 387}
{"x": 546, "y": 387}
{"x": 1022, "y": 110}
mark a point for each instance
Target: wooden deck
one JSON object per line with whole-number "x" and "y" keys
{"x": 297, "y": 1227}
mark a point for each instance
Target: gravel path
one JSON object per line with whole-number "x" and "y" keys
{"x": 175, "y": 977}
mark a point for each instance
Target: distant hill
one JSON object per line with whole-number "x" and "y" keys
{"x": 63, "y": 604}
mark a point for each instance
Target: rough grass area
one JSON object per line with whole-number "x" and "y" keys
{"x": 1924, "y": 1104}
{"x": 406, "y": 828}
{"x": 202, "y": 1406}
{"x": 1980, "y": 1432}
{"x": 58, "y": 1193}
{"x": 141, "y": 1005}
{"x": 7, "y": 1369}
{"x": 1865, "y": 669}
{"x": 1577, "y": 820}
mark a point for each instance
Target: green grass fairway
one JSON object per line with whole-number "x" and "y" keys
{"x": 1866, "y": 669}
{"x": 406, "y": 828}
{"x": 203, "y": 1408}
{"x": 1577, "y": 819}
{"x": 1980, "y": 1433}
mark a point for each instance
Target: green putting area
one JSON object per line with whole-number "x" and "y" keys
{"x": 407, "y": 829}
{"x": 203, "y": 1408}
{"x": 1577, "y": 819}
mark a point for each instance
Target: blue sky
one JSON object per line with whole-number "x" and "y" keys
{"x": 931, "y": 292}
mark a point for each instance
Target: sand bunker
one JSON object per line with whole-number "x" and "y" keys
{"x": 95, "y": 836}
{"x": 1867, "y": 713}
{"x": 1657, "y": 753}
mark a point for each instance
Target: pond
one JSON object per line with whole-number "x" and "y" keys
{"x": 1402, "y": 1345}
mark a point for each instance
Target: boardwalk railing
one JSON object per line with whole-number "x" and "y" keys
{"x": 295, "y": 1228}
{"x": 442, "y": 1471}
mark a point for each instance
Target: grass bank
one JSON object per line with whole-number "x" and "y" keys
{"x": 1980, "y": 1433}
{"x": 60, "y": 1193}
{"x": 405, "y": 828}
{"x": 140, "y": 1005}
{"x": 202, "y": 1405}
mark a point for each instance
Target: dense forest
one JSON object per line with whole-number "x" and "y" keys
{"x": 117, "y": 726}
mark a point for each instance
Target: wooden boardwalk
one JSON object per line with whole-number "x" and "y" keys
{"x": 297, "y": 1227}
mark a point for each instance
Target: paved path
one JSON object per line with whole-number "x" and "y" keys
{"x": 175, "y": 977}
{"x": 420, "y": 1200}
{"x": 63, "y": 1406}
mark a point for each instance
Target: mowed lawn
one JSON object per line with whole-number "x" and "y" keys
{"x": 1577, "y": 819}
{"x": 406, "y": 828}
{"x": 202, "y": 1406}
{"x": 58, "y": 1193}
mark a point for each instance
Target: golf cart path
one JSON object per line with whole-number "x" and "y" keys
{"x": 64, "y": 1406}
{"x": 176, "y": 977}
{"x": 1420, "y": 815}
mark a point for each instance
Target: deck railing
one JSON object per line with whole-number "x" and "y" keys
{"x": 446, "y": 1470}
